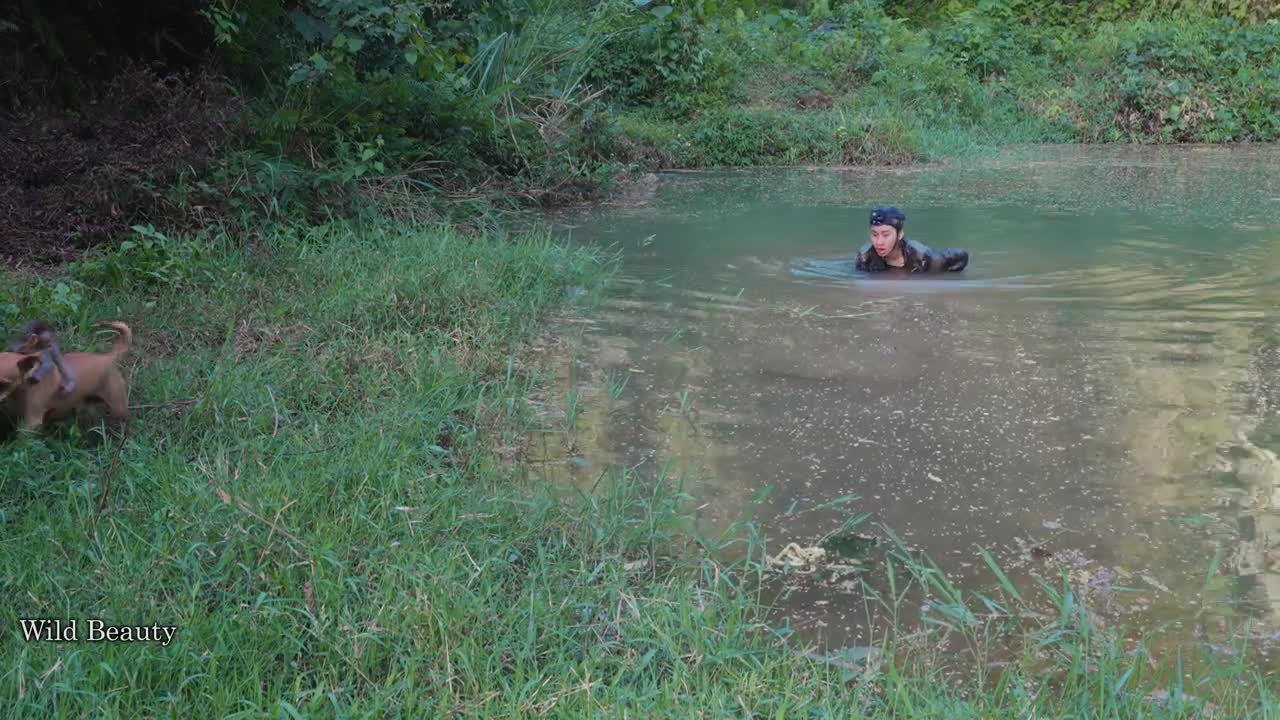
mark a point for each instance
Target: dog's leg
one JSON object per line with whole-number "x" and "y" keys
{"x": 32, "y": 415}
{"x": 116, "y": 396}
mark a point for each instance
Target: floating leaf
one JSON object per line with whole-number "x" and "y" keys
{"x": 1148, "y": 579}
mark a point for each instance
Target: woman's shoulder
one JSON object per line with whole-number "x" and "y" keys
{"x": 917, "y": 246}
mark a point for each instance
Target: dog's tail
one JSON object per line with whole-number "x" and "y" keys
{"x": 122, "y": 342}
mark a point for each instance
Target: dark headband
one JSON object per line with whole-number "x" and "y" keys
{"x": 888, "y": 216}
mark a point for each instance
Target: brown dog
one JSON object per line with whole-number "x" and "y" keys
{"x": 38, "y": 400}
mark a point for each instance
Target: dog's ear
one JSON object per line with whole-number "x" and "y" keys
{"x": 27, "y": 367}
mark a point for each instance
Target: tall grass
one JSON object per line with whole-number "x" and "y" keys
{"x": 1005, "y": 653}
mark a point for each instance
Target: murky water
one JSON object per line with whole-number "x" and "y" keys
{"x": 1101, "y": 383}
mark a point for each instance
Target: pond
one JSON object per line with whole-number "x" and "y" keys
{"x": 1097, "y": 392}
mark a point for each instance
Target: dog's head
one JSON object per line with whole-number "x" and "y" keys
{"x": 16, "y": 371}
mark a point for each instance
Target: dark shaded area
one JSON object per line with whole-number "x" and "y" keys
{"x": 67, "y": 53}
{"x": 69, "y": 180}
{"x": 101, "y": 104}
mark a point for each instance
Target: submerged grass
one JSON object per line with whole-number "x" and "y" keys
{"x": 310, "y": 493}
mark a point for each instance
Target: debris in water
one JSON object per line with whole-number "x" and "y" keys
{"x": 859, "y": 663}
{"x": 804, "y": 560}
{"x": 1154, "y": 583}
{"x": 1162, "y": 699}
{"x": 1103, "y": 579}
{"x": 850, "y": 546}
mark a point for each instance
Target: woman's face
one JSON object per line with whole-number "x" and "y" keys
{"x": 883, "y": 238}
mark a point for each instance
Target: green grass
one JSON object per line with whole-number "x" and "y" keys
{"x": 310, "y": 492}
{"x": 616, "y": 382}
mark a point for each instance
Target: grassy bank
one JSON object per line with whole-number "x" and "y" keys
{"x": 316, "y": 491}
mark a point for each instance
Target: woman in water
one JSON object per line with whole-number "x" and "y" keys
{"x": 889, "y": 248}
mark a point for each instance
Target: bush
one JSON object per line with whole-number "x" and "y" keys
{"x": 1167, "y": 81}
{"x": 660, "y": 53}
{"x": 1088, "y": 13}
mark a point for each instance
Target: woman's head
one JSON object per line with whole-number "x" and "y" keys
{"x": 886, "y": 229}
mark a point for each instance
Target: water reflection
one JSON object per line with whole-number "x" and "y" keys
{"x": 1098, "y": 383}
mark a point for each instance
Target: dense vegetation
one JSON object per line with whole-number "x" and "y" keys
{"x": 331, "y": 373}
{"x": 405, "y": 101}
